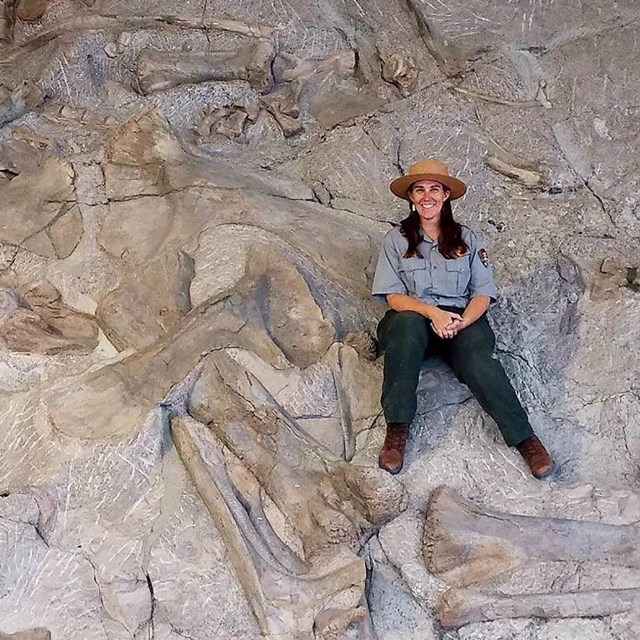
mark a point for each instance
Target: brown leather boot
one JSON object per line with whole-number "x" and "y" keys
{"x": 536, "y": 456}
{"x": 391, "y": 456}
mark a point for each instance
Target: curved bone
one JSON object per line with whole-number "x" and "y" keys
{"x": 464, "y": 544}
{"x": 460, "y": 607}
{"x": 267, "y": 583}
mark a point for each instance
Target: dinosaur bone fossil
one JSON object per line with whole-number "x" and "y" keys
{"x": 464, "y": 544}
{"x": 459, "y": 607}
{"x": 251, "y": 455}
{"x": 161, "y": 70}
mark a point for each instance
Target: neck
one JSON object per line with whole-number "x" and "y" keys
{"x": 431, "y": 228}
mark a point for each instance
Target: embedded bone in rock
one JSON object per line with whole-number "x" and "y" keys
{"x": 31, "y": 634}
{"x": 291, "y": 315}
{"x": 159, "y": 71}
{"x": 330, "y": 504}
{"x": 464, "y": 544}
{"x": 38, "y": 210}
{"x": 526, "y": 176}
{"x": 401, "y": 71}
{"x": 459, "y": 607}
{"x": 149, "y": 302}
{"x": 144, "y": 140}
{"x": 284, "y": 105}
{"x": 23, "y": 99}
{"x": 42, "y": 323}
{"x": 262, "y": 566}
{"x": 112, "y": 400}
{"x": 31, "y": 10}
{"x": 532, "y": 104}
{"x": 326, "y": 500}
{"x": 227, "y": 122}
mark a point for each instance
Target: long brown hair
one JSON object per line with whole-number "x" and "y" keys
{"x": 450, "y": 242}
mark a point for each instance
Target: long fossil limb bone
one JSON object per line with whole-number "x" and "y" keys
{"x": 464, "y": 544}
{"x": 459, "y": 607}
{"x": 161, "y": 70}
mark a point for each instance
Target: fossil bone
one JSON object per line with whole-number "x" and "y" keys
{"x": 464, "y": 544}
{"x": 23, "y": 98}
{"x": 459, "y": 607}
{"x": 329, "y": 504}
{"x": 161, "y": 70}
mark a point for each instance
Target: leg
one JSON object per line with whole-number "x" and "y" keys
{"x": 470, "y": 356}
{"x": 404, "y": 337}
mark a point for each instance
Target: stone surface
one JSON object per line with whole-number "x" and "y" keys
{"x": 192, "y": 197}
{"x": 39, "y": 212}
{"x": 34, "y": 319}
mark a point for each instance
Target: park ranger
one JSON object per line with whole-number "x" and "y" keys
{"x": 435, "y": 276}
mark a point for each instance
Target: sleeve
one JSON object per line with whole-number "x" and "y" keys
{"x": 482, "y": 282}
{"x": 387, "y": 279}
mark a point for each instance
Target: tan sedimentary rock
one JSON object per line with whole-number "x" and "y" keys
{"x": 38, "y": 211}
{"x": 41, "y": 323}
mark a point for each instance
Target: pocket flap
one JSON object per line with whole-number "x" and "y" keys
{"x": 457, "y": 264}
{"x": 412, "y": 264}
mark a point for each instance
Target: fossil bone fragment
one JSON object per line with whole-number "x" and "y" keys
{"x": 459, "y": 607}
{"x": 23, "y": 99}
{"x": 464, "y": 544}
{"x": 159, "y": 70}
{"x": 43, "y": 323}
{"x": 330, "y": 506}
{"x": 527, "y": 176}
{"x": 285, "y": 108}
{"x": 401, "y": 71}
{"x": 32, "y": 10}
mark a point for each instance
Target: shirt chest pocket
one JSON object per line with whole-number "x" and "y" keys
{"x": 458, "y": 275}
{"x": 415, "y": 276}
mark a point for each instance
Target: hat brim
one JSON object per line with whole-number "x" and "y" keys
{"x": 400, "y": 186}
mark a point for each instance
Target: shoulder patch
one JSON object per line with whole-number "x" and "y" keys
{"x": 484, "y": 256}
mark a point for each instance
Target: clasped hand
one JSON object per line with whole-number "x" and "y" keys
{"x": 447, "y": 324}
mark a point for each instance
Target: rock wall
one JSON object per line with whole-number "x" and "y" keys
{"x": 192, "y": 197}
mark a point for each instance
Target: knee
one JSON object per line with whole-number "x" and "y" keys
{"x": 408, "y": 327}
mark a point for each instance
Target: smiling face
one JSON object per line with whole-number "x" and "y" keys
{"x": 428, "y": 196}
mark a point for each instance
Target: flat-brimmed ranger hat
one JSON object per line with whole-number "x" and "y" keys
{"x": 427, "y": 169}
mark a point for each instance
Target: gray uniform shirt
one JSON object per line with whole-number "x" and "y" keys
{"x": 433, "y": 278}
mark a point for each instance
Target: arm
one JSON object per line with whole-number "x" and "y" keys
{"x": 444, "y": 323}
{"x": 477, "y": 307}
{"x": 482, "y": 288}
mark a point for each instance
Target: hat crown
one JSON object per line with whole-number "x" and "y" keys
{"x": 428, "y": 169}
{"x": 428, "y": 166}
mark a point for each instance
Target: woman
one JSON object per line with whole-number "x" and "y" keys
{"x": 436, "y": 278}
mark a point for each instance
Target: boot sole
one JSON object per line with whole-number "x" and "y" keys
{"x": 393, "y": 472}
{"x": 546, "y": 474}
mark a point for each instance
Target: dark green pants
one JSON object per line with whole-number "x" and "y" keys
{"x": 407, "y": 339}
